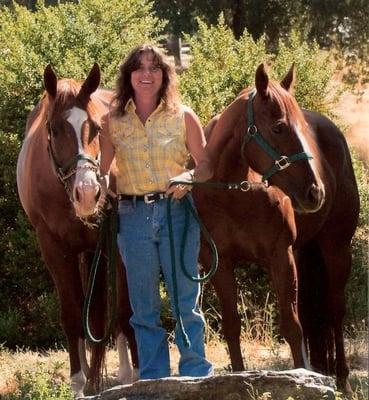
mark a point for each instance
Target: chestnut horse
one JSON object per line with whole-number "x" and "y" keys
{"x": 302, "y": 155}
{"x": 58, "y": 184}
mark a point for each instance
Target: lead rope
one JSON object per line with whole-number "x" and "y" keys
{"x": 214, "y": 264}
{"x": 107, "y": 234}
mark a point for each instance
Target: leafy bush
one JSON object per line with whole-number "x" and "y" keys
{"x": 222, "y": 66}
{"x": 41, "y": 384}
{"x": 71, "y": 37}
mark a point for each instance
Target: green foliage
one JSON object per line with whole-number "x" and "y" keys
{"x": 41, "y": 384}
{"x": 222, "y": 66}
{"x": 340, "y": 24}
{"x": 71, "y": 37}
{"x": 357, "y": 288}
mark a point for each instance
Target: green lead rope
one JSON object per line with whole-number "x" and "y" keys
{"x": 214, "y": 265}
{"x": 107, "y": 234}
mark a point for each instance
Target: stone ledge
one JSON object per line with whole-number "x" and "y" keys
{"x": 299, "y": 384}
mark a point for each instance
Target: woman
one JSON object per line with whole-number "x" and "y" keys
{"x": 152, "y": 135}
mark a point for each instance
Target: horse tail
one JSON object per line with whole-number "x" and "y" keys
{"x": 97, "y": 318}
{"x": 312, "y": 298}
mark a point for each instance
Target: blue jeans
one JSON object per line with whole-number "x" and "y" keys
{"x": 143, "y": 241}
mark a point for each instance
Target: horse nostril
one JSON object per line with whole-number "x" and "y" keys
{"x": 98, "y": 193}
{"x": 77, "y": 195}
{"x": 314, "y": 193}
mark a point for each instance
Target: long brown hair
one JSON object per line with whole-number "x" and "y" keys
{"x": 124, "y": 90}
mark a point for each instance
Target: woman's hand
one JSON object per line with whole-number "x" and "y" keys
{"x": 177, "y": 189}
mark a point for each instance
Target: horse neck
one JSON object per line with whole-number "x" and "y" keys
{"x": 225, "y": 143}
{"x": 230, "y": 165}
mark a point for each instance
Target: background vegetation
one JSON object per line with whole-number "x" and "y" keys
{"x": 72, "y": 36}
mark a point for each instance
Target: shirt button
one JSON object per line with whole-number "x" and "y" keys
{"x": 147, "y": 165}
{"x": 148, "y": 218}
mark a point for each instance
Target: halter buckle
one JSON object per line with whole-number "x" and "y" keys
{"x": 282, "y": 163}
{"x": 245, "y": 186}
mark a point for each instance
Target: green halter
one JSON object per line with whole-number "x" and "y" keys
{"x": 280, "y": 161}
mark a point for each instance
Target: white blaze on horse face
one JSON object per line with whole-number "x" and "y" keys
{"x": 306, "y": 149}
{"x": 85, "y": 181}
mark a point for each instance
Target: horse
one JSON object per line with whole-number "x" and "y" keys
{"x": 60, "y": 191}
{"x": 298, "y": 225}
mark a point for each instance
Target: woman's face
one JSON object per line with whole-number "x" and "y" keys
{"x": 148, "y": 78}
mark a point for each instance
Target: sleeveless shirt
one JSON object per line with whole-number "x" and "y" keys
{"x": 147, "y": 156}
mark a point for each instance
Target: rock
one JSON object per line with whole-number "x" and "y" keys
{"x": 298, "y": 384}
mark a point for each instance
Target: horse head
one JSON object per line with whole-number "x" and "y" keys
{"x": 279, "y": 144}
{"x": 73, "y": 123}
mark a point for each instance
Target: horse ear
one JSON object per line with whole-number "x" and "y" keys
{"x": 92, "y": 82}
{"x": 50, "y": 81}
{"x": 261, "y": 81}
{"x": 288, "y": 81}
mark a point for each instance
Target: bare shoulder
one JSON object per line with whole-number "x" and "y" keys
{"x": 190, "y": 116}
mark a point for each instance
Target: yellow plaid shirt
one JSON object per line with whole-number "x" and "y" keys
{"x": 148, "y": 155}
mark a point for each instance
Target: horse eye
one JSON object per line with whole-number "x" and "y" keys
{"x": 52, "y": 131}
{"x": 278, "y": 129}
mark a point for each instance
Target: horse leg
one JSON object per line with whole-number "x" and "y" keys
{"x": 284, "y": 279}
{"x": 64, "y": 271}
{"x": 312, "y": 304}
{"x": 124, "y": 331}
{"x": 337, "y": 257}
{"x": 97, "y": 315}
{"x": 226, "y": 288}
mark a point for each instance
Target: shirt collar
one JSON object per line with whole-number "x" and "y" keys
{"x": 131, "y": 106}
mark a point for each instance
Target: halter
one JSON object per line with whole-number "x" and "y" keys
{"x": 280, "y": 161}
{"x": 64, "y": 172}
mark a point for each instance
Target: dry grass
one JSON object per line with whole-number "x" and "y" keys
{"x": 256, "y": 354}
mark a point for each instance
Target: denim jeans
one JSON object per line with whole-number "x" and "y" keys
{"x": 143, "y": 241}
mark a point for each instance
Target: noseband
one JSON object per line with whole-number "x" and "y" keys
{"x": 280, "y": 161}
{"x": 64, "y": 172}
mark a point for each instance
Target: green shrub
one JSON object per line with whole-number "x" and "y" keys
{"x": 71, "y": 37}
{"x": 222, "y": 66}
{"x": 41, "y": 384}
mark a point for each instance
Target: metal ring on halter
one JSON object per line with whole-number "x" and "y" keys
{"x": 252, "y": 130}
{"x": 245, "y": 186}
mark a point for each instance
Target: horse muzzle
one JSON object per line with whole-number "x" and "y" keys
{"x": 86, "y": 198}
{"x": 309, "y": 202}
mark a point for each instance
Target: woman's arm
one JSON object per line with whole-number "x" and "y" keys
{"x": 196, "y": 142}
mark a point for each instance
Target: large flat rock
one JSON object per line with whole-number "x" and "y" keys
{"x": 299, "y": 384}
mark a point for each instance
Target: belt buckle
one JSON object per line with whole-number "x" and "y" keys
{"x": 147, "y": 199}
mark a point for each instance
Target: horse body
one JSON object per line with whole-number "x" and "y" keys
{"x": 57, "y": 177}
{"x": 313, "y": 225}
